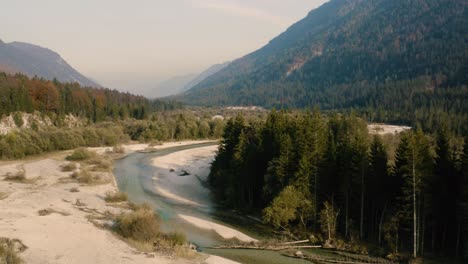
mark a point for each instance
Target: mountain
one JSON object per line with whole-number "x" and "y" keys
{"x": 33, "y": 60}
{"x": 172, "y": 86}
{"x": 372, "y": 55}
{"x": 179, "y": 84}
{"x": 205, "y": 74}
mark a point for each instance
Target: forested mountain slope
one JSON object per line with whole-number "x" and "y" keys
{"x": 396, "y": 61}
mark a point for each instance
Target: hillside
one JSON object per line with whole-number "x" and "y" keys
{"x": 32, "y": 60}
{"x": 378, "y": 56}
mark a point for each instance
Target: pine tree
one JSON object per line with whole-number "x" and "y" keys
{"x": 379, "y": 184}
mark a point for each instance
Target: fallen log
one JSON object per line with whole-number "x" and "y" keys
{"x": 317, "y": 259}
{"x": 272, "y": 248}
{"x": 295, "y": 242}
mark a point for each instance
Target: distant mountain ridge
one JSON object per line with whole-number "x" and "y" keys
{"x": 205, "y": 74}
{"x": 32, "y": 60}
{"x": 180, "y": 84}
{"x": 171, "y": 86}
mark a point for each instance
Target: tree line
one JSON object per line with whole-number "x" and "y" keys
{"x": 158, "y": 127}
{"x": 308, "y": 173}
{"x": 20, "y": 93}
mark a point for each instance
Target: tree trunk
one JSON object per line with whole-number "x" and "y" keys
{"x": 346, "y": 214}
{"x": 457, "y": 247}
{"x": 418, "y": 227}
{"x": 381, "y": 222}
{"x": 315, "y": 185}
{"x": 414, "y": 208}
{"x": 396, "y": 242}
{"x": 423, "y": 233}
{"x": 361, "y": 226}
{"x": 329, "y": 224}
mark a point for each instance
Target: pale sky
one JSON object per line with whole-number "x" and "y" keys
{"x": 133, "y": 45}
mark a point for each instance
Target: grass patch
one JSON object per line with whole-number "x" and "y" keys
{"x": 115, "y": 197}
{"x": 19, "y": 177}
{"x": 118, "y": 149}
{"x": 140, "y": 229}
{"x": 69, "y": 167}
{"x": 100, "y": 164}
{"x": 135, "y": 207}
{"x": 9, "y": 249}
{"x": 140, "y": 225}
{"x": 172, "y": 239}
{"x": 80, "y": 154}
{"x": 84, "y": 176}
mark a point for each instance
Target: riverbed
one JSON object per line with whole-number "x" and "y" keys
{"x": 178, "y": 194}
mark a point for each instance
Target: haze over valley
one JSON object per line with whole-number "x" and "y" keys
{"x": 234, "y": 131}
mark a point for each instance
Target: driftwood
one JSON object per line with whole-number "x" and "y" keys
{"x": 343, "y": 259}
{"x": 272, "y": 248}
{"x": 295, "y": 242}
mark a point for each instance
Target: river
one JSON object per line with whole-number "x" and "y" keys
{"x": 135, "y": 176}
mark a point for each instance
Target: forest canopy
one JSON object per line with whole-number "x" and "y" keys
{"x": 326, "y": 175}
{"x": 20, "y": 93}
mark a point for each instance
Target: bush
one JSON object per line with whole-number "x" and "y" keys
{"x": 115, "y": 197}
{"x": 141, "y": 225}
{"x": 118, "y": 149}
{"x": 135, "y": 207}
{"x": 177, "y": 238}
{"x": 69, "y": 167}
{"x": 100, "y": 164}
{"x": 8, "y": 254}
{"x": 80, "y": 154}
{"x": 18, "y": 119}
{"x": 19, "y": 176}
{"x": 66, "y": 139}
{"x": 86, "y": 177}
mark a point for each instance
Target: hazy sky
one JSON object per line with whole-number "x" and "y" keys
{"x": 132, "y": 45}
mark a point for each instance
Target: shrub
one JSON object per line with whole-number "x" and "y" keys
{"x": 115, "y": 197}
{"x": 69, "y": 167}
{"x": 8, "y": 252}
{"x": 140, "y": 225}
{"x": 184, "y": 252}
{"x": 80, "y": 154}
{"x": 66, "y": 139}
{"x": 19, "y": 176}
{"x": 177, "y": 238}
{"x": 135, "y": 207}
{"x": 86, "y": 177}
{"x": 18, "y": 119}
{"x": 118, "y": 149}
{"x": 101, "y": 164}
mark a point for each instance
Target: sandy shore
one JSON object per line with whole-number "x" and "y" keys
{"x": 194, "y": 162}
{"x": 129, "y": 148}
{"x": 66, "y": 235}
{"x": 223, "y": 231}
{"x": 168, "y": 183}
